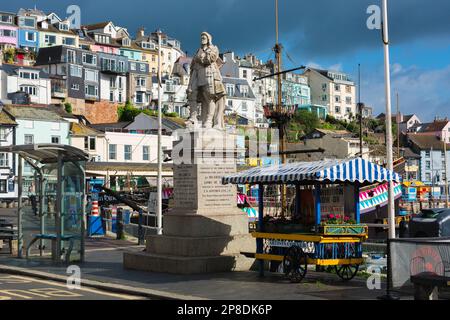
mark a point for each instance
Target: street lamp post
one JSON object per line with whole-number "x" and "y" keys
{"x": 389, "y": 152}
{"x": 159, "y": 179}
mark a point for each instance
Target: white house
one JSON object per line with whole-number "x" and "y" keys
{"x": 240, "y": 98}
{"x": 7, "y": 131}
{"x": 27, "y": 79}
{"x": 334, "y": 90}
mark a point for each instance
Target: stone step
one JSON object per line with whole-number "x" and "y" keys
{"x": 185, "y": 265}
{"x": 200, "y": 246}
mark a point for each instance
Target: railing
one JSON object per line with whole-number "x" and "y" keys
{"x": 147, "y": 131}
{"x": 108, "y": 67}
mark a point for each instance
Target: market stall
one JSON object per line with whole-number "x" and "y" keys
{"x": 330, "y": 236}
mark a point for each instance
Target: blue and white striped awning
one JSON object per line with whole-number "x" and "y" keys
{"x": 333, "y": 171}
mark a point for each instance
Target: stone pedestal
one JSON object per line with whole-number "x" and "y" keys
{"x": 205, "y": 232}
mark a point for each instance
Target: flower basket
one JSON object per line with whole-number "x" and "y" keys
{"x": 344, "y": 229}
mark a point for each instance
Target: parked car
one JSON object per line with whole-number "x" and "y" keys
{"x": 430, "y": 223}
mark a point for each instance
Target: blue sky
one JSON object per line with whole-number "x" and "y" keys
{"x": 323, "y": 33}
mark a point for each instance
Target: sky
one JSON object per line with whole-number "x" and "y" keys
{"x": 330, "y": 34}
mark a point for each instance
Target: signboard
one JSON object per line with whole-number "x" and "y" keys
{"x": 152, "y": 202}
{"x": 332, "y": 200}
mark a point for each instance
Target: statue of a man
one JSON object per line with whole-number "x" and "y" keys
{"x": 205, "y": 85}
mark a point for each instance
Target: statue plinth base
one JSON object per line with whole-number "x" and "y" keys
{"x": 205, "y": 232}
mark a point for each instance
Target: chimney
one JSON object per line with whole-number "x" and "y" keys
{"x": 141, "y": 32}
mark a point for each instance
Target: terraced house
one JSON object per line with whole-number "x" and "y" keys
{"x": 8, "y": 30}
{"x": 28, "y": 34}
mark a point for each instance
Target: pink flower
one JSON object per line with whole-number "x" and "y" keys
{"x": 338, "y": 216}
{"x": 331, "y": 216}
{"x": 347, "y": 218}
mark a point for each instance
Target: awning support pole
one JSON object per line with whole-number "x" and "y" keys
{"x": 58, "y": 220}
{"x": 297, "y": 201}
{"x": 317, "y": 206}
{"x": 259, "y": 242}
{"x": 357, "y": 207}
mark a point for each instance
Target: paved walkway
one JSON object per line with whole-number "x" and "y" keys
{"x": 104, "y": 265}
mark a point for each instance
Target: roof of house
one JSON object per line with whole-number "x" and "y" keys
{"x": 31, "y": 11}
{"x": 408, "y": 153}
{"x": 322, "y": 72}
{"x": 12, "y": 69}
{"x": 81, "y": 130}
{"x": 237, "y": 82}
{"x": 434, "y": 126}
{"x": 335, "y": 132}
{"x": 32, "y": 113}
{"x": 113, "y": 125}
{"x": 6, "y": 119}
{"x": 52, "y": 28}
{"x": 96, "y": 26}
{"x": 426, "y": 142}
{"x": 408, "y": 117}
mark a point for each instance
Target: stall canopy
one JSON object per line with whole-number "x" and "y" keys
{"x": 46, "y": 152}
{"x": 328, "y": 171}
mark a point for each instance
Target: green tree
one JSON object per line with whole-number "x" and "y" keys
{"x": 68, "y": 107}
{"x": 127, "y": 112}
{"x": 305, "y": 121}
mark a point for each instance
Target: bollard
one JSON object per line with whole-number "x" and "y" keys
{"x": 140, "y": 242}
{"x": 119, "y": 224}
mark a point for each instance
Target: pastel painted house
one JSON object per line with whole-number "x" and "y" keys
{"x": 8, "y": 30}
{"x": 37, "y": 125}
{"x": 28, "y": 35}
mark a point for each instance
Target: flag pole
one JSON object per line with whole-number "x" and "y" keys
{"x": 159, "y": 179}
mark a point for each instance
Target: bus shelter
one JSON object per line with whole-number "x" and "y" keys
{"x": 59, "y": 180}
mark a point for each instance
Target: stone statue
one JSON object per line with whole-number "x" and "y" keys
{"x": 206, "y": 87}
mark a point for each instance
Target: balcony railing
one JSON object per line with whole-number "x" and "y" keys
{"x": 59, "y": 92}
{"x": 112, "y": 68}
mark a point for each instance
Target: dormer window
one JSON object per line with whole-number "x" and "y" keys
{"x": 28, "y": 22}
{"x": 63, "y": 27}
{"x": 244, "y": 90}
{"x": 148, "y": 45}
{"x": 126, "y": 42}
{"x": 5, "y": 18}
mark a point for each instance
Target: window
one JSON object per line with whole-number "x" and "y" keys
{"x": 29, "y": 139}
{"x": 244, "y": 73}
{"x": 154, "y": 60}
{"x": 3, "y": 186}
{"x": 8, "y": 33}
{"x": 324, "y": 86}
{"x": 126, "y": 42}
{"x": 120, "y": 83}
{"x": 111, "y": 96}
{"x": 32, "y": 91}
{"x": 427, "y": 176}
{"x": 75, "y": 86}
{"x": 153, "y": 70}
{"x": 30, "y": 36}
{"x": 337, "y": 87}
{"x": 71, "y": 58}
{"x": 140, "y": 82}
{"x": 244, "y": 106}
{"x": 127, "y": 152}
{"x": 4, "y": 160}
{"x": 428, "y": 165}
{"x": 324, "y": 97}
{"x": 6, "y": 18}
{"x": 63, "y": 27}
{"x": 133, "y": 66}
{"x": 337, "y": 99}
{"x": 28, "y": 75}
{"x": 427, "y": 154}
{"x": 76, "y": 71}
{"x": 230, "y": 90}
{"x": 55, "y": 139}
{"x": 113, "y": 151}
{"x": 91, "y": 75}
{"x": 89, "y": 143}
{"x": 90, "y": 90}
{"x": 89, "y": 59}
{"x": 348, "y": 110}
{"x": 142, "y": 67}
{"x": 148, "y": 45}
{"x": 244, "y": 90}
{"x": 348, "y": 89}
{"x": 348, "y": 100}
{"x": 120, "y": 97}
{"x": 145, "y": 153}
{"x": 27, "y": 22}
{"x": 49, "y": 39}
{"x": 68, "y": 41}
{"x": 337, "y": 109}
{"x": 3, "y": 134}
{"x": 139, "y": 97}
{"x": 122, "y": 66}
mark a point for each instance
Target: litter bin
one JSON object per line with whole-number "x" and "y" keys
{"x": 126, "y": 217}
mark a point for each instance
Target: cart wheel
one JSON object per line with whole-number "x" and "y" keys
{"x": 295, "y": 264}
{"x": 347, "y": 272}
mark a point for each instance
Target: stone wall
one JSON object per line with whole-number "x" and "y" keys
{"x": 95, "y": 111}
